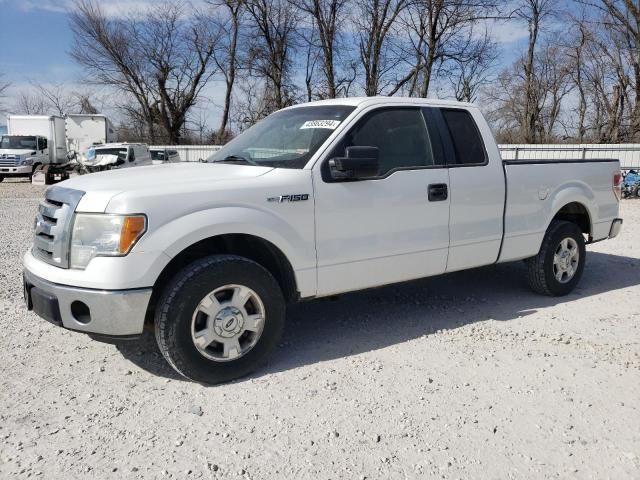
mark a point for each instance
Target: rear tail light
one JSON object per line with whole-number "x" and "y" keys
{"x": 617, "y": 184}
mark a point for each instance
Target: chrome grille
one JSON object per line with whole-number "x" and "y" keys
{"x": 53, "y": 225}
{"x": 9, "y": 160}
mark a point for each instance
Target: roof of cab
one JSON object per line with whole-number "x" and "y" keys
{"x": 381, "y": 100}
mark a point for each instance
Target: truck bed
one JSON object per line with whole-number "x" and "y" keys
{"x": 537, "y": 189}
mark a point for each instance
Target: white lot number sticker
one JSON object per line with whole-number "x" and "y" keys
{"x": 330, "y": 124}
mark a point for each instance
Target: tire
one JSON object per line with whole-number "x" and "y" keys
{"x": 179, "y": 318}
{"x": 542, "y": 268}
{"x": 1, "y": 179}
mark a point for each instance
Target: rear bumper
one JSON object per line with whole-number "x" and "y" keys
{"x": 113, "y": 313}
{"x": 616, "y": 226}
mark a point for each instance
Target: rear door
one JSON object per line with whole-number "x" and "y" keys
{"x": 477, "y": 188}
{"x": 389, "y": 228}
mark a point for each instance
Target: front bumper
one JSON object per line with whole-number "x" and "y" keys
{"x": 113, "y": 313}
{"x": 24, "y": 171}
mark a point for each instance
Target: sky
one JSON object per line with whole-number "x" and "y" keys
{"x": 36, "y": 40}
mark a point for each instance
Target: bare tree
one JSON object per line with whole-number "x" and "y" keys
{"x": 325, "y": 17}
{"x": 472, "y": 71}
{"x": 610, "y": 82}
{"x": 312, "y": 57}
{"x": 441, "y": 32}
{"x": 229, "y": 24}
{"x": 29, "y": 103}
{"x": 86, "y": 104}
{"x": 272, "y": 40}
{"x": 4, "y": 86}
{"x": 533, "y": 12}
{"x": 375, "y": 21}
{"x": 547, "y": 90}
{"x": 59, "y": 98}
{"x": 553, "y": 85}
{"x": 161, "y": 57}
{"x": 620, "y": 19}
{"x": 253, "y": 103}
{"x": 575, "y": 51}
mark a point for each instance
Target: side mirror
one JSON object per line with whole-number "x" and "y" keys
{"x": 359, "y": 163}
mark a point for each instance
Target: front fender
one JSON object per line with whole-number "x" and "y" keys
{"x": 177, "y": 235}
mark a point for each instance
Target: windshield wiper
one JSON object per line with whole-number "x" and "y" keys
{"x": 237, "y": 159}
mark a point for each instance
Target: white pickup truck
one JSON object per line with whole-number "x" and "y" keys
{"x": 315, "y": 200}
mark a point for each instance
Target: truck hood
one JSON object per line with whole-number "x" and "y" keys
{"x": 101, "y": 187}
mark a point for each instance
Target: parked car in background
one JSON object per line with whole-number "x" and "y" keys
{"x": 116, "y": 155}
{"x": 631, "y": 184}
{"x": 164, "y": 155}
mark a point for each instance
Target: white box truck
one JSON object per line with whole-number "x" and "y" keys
{"x": 87, "y": 130}
{"x": 31, "y": 141}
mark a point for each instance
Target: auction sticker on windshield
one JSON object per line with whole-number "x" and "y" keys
{"x": 330, "y": 124}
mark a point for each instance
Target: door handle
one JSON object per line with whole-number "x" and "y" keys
{"x": 438, "y": 192}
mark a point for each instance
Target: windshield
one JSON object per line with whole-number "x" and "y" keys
{"x": 286, "y": 139}
{"x": 121, "y": 153}
{"x": 18, "y": 143}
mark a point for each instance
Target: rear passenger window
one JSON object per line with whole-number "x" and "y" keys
{"x": 465, "y": 137}
{"x": 400, "y": 135}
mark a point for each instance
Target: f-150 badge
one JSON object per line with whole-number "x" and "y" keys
{"x": 297, "y": 197}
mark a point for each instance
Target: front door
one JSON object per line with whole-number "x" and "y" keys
{"x": 390, "y": 228}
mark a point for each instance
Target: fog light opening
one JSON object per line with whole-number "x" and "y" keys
{"x": 80, "y": 312}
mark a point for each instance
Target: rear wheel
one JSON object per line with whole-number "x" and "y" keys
{"x": 219, "y": 318}
{"x": 557, "y": 268}
{"x": 1, "y": 178}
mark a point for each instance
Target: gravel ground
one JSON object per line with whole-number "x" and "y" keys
{"x": 469, "y": 375}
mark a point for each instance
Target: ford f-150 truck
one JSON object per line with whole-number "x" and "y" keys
{"x": 315, "y": 200}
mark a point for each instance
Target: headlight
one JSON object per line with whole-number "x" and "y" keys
{"x": 97, "y": 235}
{"x": 28, "y": 161}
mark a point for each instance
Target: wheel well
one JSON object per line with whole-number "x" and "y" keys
{"x": 576, "y": 213}
{"x": 254, "y": 248}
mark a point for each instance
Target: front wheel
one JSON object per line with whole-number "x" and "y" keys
{"x": 219, "y": 318}
{"x": 557, "y": 268}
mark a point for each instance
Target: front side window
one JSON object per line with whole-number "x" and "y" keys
{"x": 285, "y": 139}
{"x": 400, "y": 134}
{"x": 466, "y": 139}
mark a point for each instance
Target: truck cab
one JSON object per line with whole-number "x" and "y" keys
{"x": 21, "y": 154}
